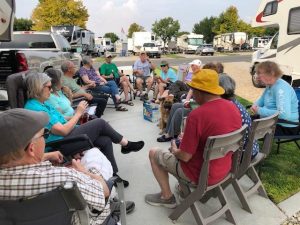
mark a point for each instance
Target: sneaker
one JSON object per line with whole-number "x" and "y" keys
{"x": 115, "y": 206}
{"x": 132, "y": 147}
{"x": 163, "y": 138}
{"x": 156, "y": 200}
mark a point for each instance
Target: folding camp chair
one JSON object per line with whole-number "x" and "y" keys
{"x": 54, "y": 207}
{"x": 280, "y": 139}
{"x": 216, "y": 147}
{"x": 261, "y": 129}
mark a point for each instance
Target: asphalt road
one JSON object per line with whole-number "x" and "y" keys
{"x": 176, "y": 61}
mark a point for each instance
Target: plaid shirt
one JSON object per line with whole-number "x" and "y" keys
{"x": 30, "y": 180}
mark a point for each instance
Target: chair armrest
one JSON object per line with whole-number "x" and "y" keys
{"x": 71, "y": 145}
{"x": 288, "y": 122}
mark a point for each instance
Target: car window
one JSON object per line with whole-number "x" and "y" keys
{"x": 63, "y": 43}
{"x": 149, "y": 45}
{"x": 29, "y": 41}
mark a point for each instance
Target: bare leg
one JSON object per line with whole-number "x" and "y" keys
{"x": 160, "y": 175}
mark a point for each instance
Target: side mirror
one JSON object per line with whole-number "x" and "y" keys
{"x": 7, "y": 15}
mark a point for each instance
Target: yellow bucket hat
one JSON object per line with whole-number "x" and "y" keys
{"x": 206, "y": 80}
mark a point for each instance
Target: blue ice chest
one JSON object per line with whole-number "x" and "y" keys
{"x": 151, "y": 112}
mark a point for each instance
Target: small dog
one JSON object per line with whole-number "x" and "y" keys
{"x": 165, "y": 107}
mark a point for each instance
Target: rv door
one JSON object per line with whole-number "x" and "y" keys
{"x": 7, "y": 14}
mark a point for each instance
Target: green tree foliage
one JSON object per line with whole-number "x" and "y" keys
{"x": 205, "y": 27}
{"x": 271, "y": 31}
{"x": 166, "y": 28}
{"x": 22, "y": 24}
{"x": 227, "y": 21}
{"x": 112, "y": 36}
{"x": 59, "y": 12}
{"x": 134, "y": 27}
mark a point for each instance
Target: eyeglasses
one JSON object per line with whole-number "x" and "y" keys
{"x": 45, "y": 135}
{"x": 48, "y": 86}
{"x": 163, "y": 65}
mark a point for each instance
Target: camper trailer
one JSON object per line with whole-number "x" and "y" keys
{"x": 284, "y": 47}
{"x": 106, "y": 43}
{"x": 188, "y": 43}
{"x": 229, "y": 41}
{"x": 259, "y": 42}
{"x": 81, "y": 40}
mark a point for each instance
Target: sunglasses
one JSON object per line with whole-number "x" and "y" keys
{"x": 49, "y": 87}
{"x": 45, "y": 135}
{"x": 163, "y": 65}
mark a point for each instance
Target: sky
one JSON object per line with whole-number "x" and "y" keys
{"x": 113, "y": 15}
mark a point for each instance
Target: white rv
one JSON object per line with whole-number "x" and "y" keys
{"x": 80, "y": 39}
{"x": 229, "y": 41}
{"x": 106, "y": 43}
{"x": 188, "y": 43}
{"x": 284, "y": 47}
{"x": 145, "y": 41}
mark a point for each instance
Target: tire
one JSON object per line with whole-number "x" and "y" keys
{"x": 212, "y": 54}
{"x": 255, "y": 82}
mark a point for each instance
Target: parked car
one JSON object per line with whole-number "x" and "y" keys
{"x": 246, "y": 47}
{"x": 205, "y": 49}
{"x": 35, "y": 51}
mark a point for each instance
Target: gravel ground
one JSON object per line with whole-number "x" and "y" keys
{"x": 294, "y": 220}
{"x": 244, "y": 87}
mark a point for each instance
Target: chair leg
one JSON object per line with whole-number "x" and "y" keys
{"x": 224, "y": 203}
{"x": 297, "y": 144}
{"x": 185, "y": 204}
{"x": 255, "y": 178}
{"x": 278, "y": 145}
{"x": 241, "y": 195}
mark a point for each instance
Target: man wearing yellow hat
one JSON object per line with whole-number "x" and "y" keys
{"x": 215, "y": 116}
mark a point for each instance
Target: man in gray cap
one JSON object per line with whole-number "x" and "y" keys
{"x": 24, "y": 164}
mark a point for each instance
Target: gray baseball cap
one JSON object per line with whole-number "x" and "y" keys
{"x": 17, "y": 128}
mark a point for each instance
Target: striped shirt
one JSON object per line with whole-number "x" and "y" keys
{"x": 30, "y": 180}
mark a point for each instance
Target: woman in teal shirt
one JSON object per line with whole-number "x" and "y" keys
{"x": 278, "y": 96}
{"x": 57, "y": 97}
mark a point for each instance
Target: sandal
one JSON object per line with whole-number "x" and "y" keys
{"x": 121, "y": 109}
{"x": 127, "y": 103}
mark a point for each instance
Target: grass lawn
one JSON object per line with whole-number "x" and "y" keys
{"x": 99, "y": 59}
{"x": 173, "y": 56}
{"x": 280, "y": 173}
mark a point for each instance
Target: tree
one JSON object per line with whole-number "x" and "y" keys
{"x": 166, "y": 28}
{"x": 205, "y": 27}
{"x": 59, "y": 12}
{"x": 22, "y": 24}
{"x": 112, "y": 36}
{"x": 227, "y": 22}
{"x": 134, "y": 27}
{"x": 271, "y": 31}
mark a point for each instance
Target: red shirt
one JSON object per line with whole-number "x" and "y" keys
{"x": 212, "y": 118}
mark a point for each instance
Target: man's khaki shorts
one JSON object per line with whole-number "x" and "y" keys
{"x": 171, "y": 164}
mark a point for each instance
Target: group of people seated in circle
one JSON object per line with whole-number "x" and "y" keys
{"x": 28, "y": 169}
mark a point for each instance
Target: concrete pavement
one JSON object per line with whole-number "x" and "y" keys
{"x": 135, "y": 167}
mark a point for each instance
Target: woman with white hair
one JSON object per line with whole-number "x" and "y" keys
{"x": 99, "y": 131}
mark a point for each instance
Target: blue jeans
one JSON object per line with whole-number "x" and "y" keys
{"x": 109, "y": 88}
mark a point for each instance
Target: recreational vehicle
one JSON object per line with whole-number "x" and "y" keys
{"x": 81, "y": 40}
{"x": 229, "y": 41}
{"x": 284, "y": 47}
{"x": 188, "y": 43}
{"x": 106, "y": 43}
